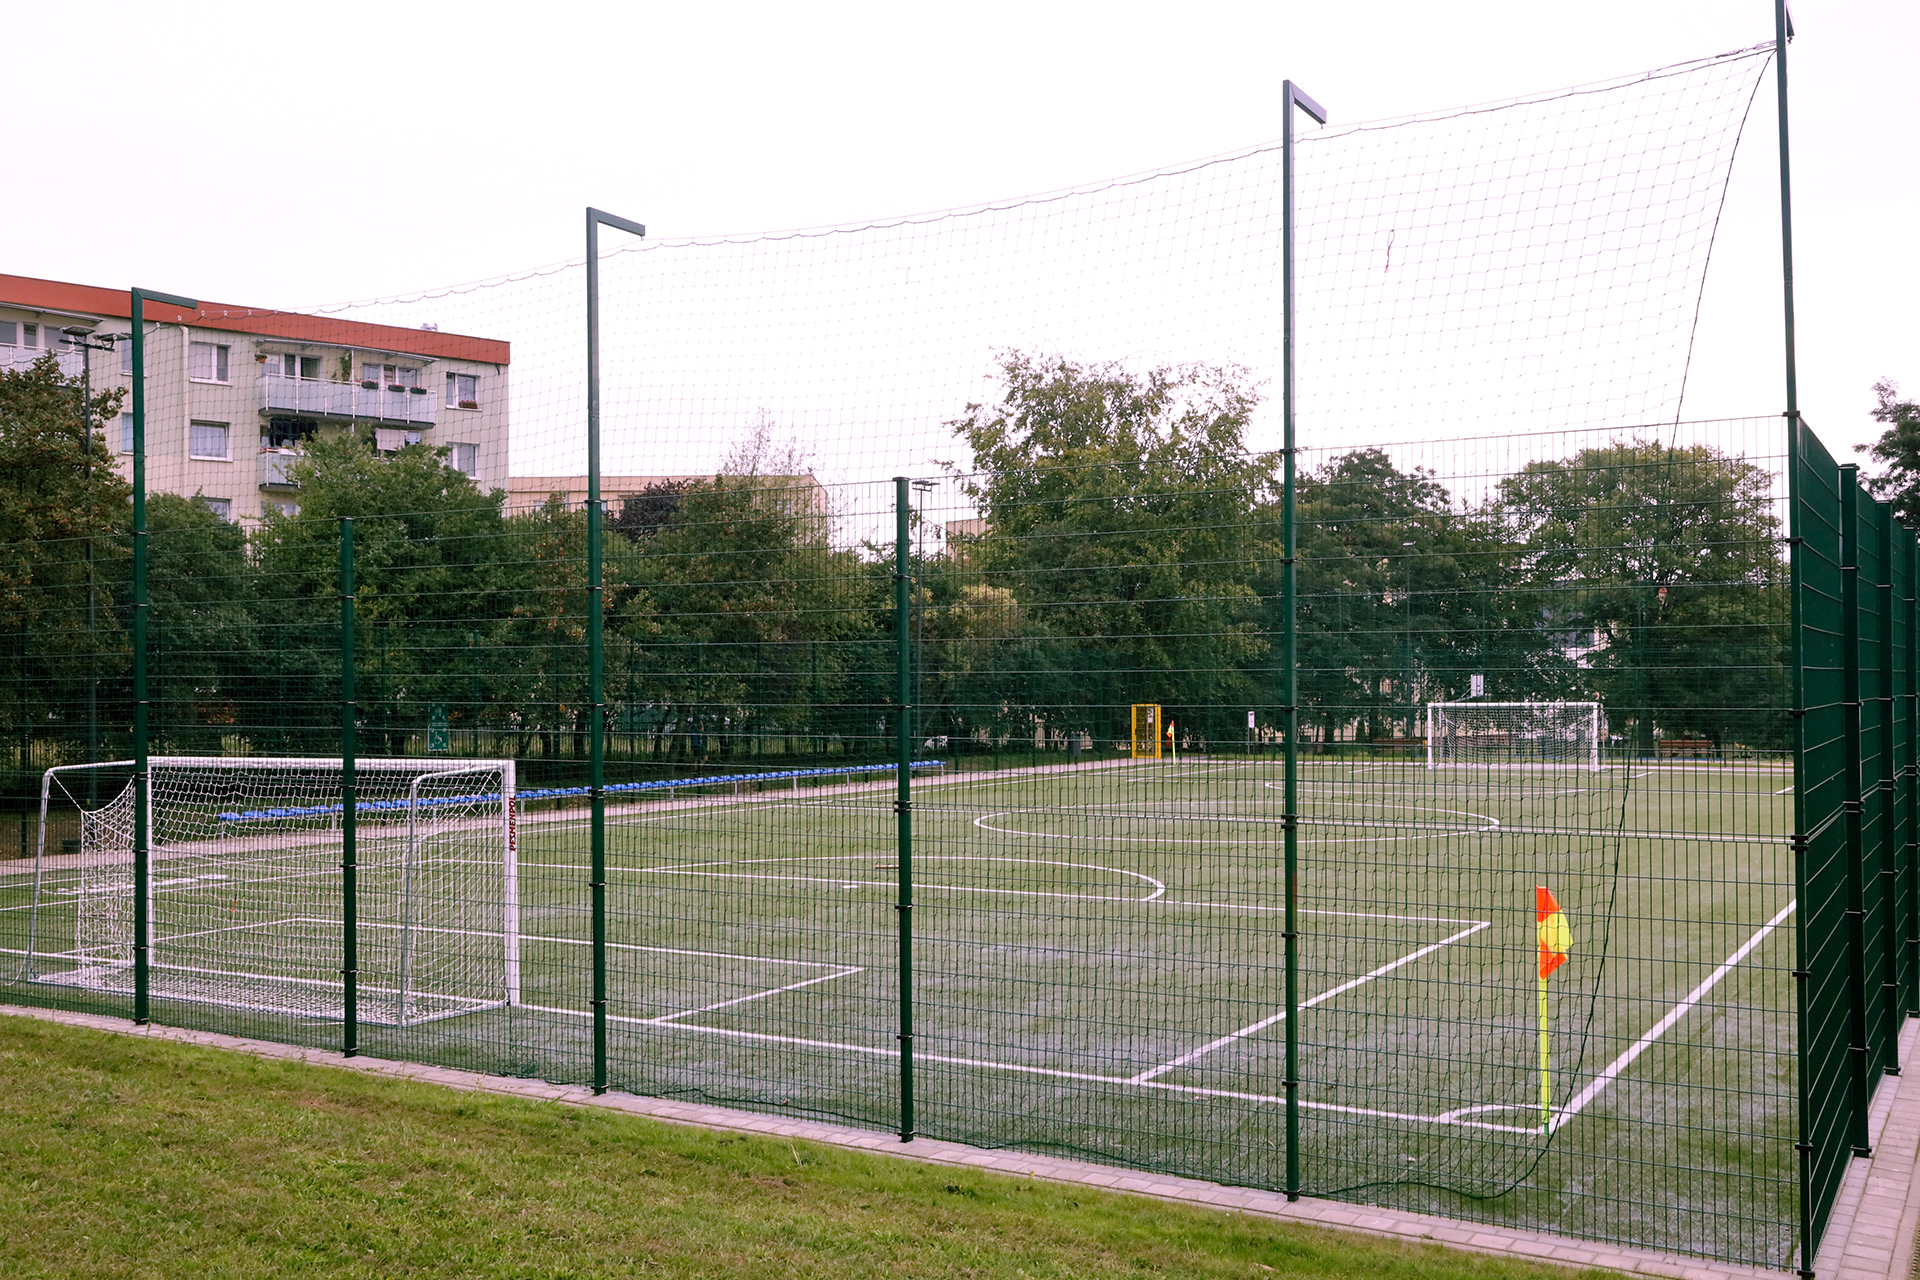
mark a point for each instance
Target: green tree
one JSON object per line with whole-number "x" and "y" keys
{"x": 1120, "y": 512}
{"x": 1401, "y": 598}
{"x": 436, "y": 572}
{"x": 63, "y": 516}
{"x": 1661, "y": 568}
{"x": 743, "y": 623}
{"x": 204, "y": 646}
{"x": 1898, "y": 449}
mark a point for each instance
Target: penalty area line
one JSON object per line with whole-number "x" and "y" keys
{"x": 1222, "y": 1042}
{"x": 1599, "y": 1083}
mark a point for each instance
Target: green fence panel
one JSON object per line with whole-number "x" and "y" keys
{"x": 1873, "y": 793}
{"x": 1906, "y": 560}
{"x": 1822, "y": 788}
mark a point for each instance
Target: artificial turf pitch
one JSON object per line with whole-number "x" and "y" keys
{"x": 1098, "y": 969}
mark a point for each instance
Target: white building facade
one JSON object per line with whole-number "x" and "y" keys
{"x": 234, "y": 394}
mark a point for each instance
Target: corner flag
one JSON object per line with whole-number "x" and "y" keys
{"x": 1556, "y": 940}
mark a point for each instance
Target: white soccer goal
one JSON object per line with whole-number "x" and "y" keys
{"x": 245, "y": 886}
{"x": 1563, "y": 735}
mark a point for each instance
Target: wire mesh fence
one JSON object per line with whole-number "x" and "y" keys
{"x": 1515, "y": 822}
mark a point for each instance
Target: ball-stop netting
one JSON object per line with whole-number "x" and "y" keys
{"x": 910, "y": 527}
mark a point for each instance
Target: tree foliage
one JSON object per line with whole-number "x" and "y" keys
{"x": 1127, "y": 549}
{"x": 1124, "y": 511}
{"x": 1897, "y": 449}
{"x": 63, "y": 509}
{"x": 1667, "y": 561}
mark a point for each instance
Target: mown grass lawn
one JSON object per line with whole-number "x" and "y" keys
{"x": 124, "y": 1157}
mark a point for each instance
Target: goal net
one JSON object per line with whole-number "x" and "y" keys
{"x": 245, "y": 886}
{"x": 1563, "y": 735}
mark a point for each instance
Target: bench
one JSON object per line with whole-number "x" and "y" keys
{"x": 1686, "y": 749}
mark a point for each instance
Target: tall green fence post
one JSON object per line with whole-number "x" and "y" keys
{"x": 1855, "y": 811}
{"x": 903, "y": 791}
{"x": 596, "y": 674}
{"x": 1289, "y": 649}
{"x": 142, "y": 783}
{"x": 1888, "y": 979}
{"x": 349, "y": 805}
{"x": 1909, "y": 607}
{"x": 1797, "y": 523}
{"x": 1810, "y": 1221}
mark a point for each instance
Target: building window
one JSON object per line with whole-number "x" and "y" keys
{"x": 207, "y": 362}
{"x": 390, "y": 375}
{"x": 465, "y": 458}
{"x": 222, "y": 507}
{"x": 287, "y": 433}
{"x": 208, "y": 441}
{"x": 292, "y": 366}
{"x": 288, "y": 509}
{"x": 125, "y": 342}
{"x": 29, "y": 335}
{"x": 9, "y": 333}
{"x": 126, "y": 433}
{"x": 463, "y": 391}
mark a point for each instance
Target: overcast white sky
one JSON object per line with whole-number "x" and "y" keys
{"x": 295, "y": 157}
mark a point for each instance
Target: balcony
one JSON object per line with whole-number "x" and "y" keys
{"x": 348, "y": 401}
{"x": 276, "y": 468}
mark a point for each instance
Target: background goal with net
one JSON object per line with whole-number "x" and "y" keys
{"x": 246, "y": 894}
{"x": 1511, "y": 734}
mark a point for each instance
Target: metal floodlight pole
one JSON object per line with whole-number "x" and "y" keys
{"x": 1782, "y": 33}
{"x": 1289, "y": 648}
{"x": 596, "y": 676}
{"x": 142, "y": 789}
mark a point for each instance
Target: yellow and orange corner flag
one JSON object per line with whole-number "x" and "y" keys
{"x": 1556, "y": 940}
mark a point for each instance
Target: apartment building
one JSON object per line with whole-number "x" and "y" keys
{"x": 235, "y": 393}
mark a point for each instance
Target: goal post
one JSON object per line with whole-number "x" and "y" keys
{"x": 1546, "y": 735}
{"x": 244, "y": 899}
{"x": 1147, "y": 728}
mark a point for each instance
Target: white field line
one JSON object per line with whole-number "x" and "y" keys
{"x": 1782, "y": 791}
{"x": 1232, "y": 1036}
{"x": 1599, "y": 1083}
{"x": 1425, "y": 830}
{"x": 917, "y": 884}
{"x": 989, "y": 1064}
{"x": 236, "y": 928}
{"x": 691, "y": 869}
{"x": 760, "y": 995}
{"x": 612, "y": 946}
{"x": 667, "y": 1019}
{"x": 1315, "y": 911}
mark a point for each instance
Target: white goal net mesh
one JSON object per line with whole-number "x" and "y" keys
{"x": 246, "y": 884}
{"x": 1515, "y": 734}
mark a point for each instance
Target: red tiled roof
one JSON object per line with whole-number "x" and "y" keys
{"x": 56, "y": 295}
